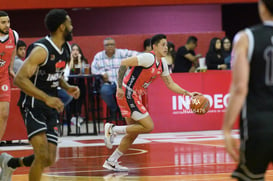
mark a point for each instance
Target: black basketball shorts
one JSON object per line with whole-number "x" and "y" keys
{"x": 42, "y": 119}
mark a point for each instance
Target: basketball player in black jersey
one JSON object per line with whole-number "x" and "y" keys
{"x": 38, "y": 78}
{"x": 251, "y": 94}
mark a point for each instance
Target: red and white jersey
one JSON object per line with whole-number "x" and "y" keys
{"x": 7, "y": 45}
{"x": 140, "y": 77}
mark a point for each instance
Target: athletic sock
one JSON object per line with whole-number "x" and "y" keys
{"x": 119, "y": 129}
{"x": 115, "y": 156}
{"x": 27, "y": 161}
{"x": 14, "y": 163}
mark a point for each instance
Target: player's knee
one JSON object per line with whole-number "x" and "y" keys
{"x": 42, "y": 158}
{"x": 149, "y": 128}
{"x": 50, "y": 161}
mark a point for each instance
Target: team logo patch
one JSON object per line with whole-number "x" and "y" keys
{"x": 2, "y": 62}
{"x": 52, "y": 57}
{"x": 5, "y": 87}
{"x": 60, "y": 64}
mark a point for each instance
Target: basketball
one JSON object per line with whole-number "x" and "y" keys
{"x": 199, "y": 104}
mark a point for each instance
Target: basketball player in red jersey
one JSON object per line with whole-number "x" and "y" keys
{"x": 144, "y": 69}
{"x": 8, "y": 40}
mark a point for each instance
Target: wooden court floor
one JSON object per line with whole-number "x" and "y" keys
{"x": 196, "y": 156}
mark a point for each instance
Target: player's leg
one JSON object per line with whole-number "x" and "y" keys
{"x": 255, "y": 155}
{"x": 4, "y": 113}
{"x": 112, "y": 162}
{"x": 45, "y": 154}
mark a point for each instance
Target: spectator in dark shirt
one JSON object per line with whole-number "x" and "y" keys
{"x": 226, "y": 51}
{"x": 186, "y": 59}
{"x": 214, "y": 57}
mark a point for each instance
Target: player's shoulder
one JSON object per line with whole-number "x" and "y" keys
{"x": 147, "y": 55}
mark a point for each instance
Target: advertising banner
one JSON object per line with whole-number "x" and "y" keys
{"x": 171, "y": 112}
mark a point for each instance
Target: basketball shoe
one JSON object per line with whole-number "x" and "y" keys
{"x": 108, "y": 135}
{"x": 6, "y": 172}
{"x": 114, "y": 166}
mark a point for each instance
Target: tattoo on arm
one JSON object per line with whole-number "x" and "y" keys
{"x": 121, "y": 74}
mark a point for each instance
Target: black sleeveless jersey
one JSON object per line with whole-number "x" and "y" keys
{"x": 258, "y": 108}
{"x": 48, "y": 74}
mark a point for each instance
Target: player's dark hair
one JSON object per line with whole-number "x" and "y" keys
{"x": 192, "y": 39}
{"x": 55, "y": 18}
{"x": 269, "y": 5}
{"x": 3, "y": 13}
{"x": 157, "y": 38}
{"x": 21, "y": 43}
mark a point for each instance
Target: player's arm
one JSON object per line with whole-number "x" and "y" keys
{"x": 11, "y": 72}
{"x": 174, "y": 86}
{"x": 238, "y": 90}
{"x": 167, "y": 79}
{"x": 29, "y": 67}
{"x": 131, "y": 61}
{"x": 71, "y": 89}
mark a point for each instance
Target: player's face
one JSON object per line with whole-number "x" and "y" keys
{"x": 162, "y": 48}
{"x": 4, "y": 25}
{"x": 68, "y": 29}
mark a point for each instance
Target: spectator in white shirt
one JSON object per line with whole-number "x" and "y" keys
{"x": 107, "y": 63}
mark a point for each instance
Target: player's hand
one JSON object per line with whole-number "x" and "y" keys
{"x": 120, "y": 93}
{"x": 11, "y": 73}
{"x": 231, "y": 146}
{"x": 74, "y": 91}
{"x": 55, "y": 102}
{"x": 192, "y": 94}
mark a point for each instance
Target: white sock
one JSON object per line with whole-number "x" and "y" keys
{"x": 115, "y": 156}
{"x": 119, "y": 129}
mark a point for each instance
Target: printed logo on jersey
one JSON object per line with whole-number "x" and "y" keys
{"x": 5, "y": 87}
{"x": 60, "y": 65}
{"x": 2, "y": 62}
{"x": 9, "y": 46}
{"x": 52, "y": 57}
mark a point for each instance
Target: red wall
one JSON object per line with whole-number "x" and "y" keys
{"x": 92, "y": 44}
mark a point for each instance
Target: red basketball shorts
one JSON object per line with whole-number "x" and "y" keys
{"x": 131, "y": 105}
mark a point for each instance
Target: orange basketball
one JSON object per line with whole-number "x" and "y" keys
{"x": 199, "y": 104}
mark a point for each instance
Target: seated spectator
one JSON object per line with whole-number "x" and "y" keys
{"x": 214, "y": 57}
{"x": 185, "y": 59}
{"x": 20, "y": 55}
{"x": 226, "y": 51}
{"x": 77, "y": 60}
{"x": 170, "y": 56}
{"x": 107, "y": 63}
{"x": 76, "y": 65}
{"x": 147, "y": 45}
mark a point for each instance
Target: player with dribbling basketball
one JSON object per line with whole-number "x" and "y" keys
{"x": 144, "y": 69}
